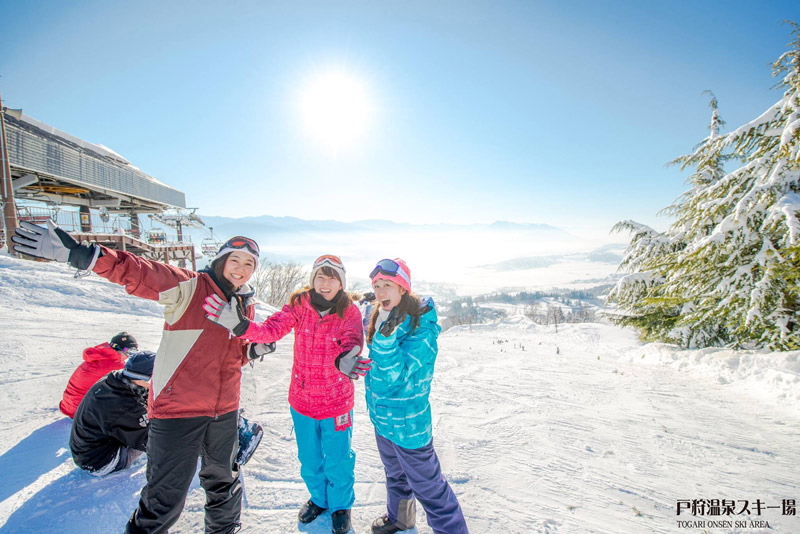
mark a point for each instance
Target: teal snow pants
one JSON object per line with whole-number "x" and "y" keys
{"x": 327, "y": 462}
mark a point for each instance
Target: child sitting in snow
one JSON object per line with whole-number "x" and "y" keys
{"x": 98, "y": 361}
{"x": 402, "y": 341}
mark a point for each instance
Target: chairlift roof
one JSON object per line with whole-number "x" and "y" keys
{"x": 56, "y": 167}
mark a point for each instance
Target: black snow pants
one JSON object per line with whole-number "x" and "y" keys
{"x": 173, "y": 446}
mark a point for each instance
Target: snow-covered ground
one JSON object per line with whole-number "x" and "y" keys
{"x": 580, "y": 431}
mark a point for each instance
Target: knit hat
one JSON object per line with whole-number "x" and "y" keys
{"x": 242, "y": 244}
{"x": 124, "y": 342}
{"x": 394, "y": 270}
{"x": 140, "y": 365}
{"x": 329, "y": 261}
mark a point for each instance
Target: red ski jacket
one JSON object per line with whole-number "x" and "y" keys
{"x": 198, "y": 367}
{"x": 318, "y": 389}
{"x": 97, "y": 362}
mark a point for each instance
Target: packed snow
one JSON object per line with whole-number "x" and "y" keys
{"x": 582, "y": 430}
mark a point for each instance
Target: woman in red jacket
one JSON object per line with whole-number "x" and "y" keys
{"x": 98, "y": 361}
{"x": 194, "y": 394}
{"x": 328, "y": 339}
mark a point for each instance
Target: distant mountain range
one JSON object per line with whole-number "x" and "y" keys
{"x": 471, "y": 257}
{"x": 227, "y": 226}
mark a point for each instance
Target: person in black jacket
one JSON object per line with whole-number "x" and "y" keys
{"x": 110, "y": 427}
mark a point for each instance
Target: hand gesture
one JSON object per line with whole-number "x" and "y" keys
{"x": 226, "y": 314}
{"x": 395, "y": 319}
{"x": 52, "y": 243}
{"x": 353, "y": 365}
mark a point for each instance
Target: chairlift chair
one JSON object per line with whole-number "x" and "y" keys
{"x": 210, "y": 246}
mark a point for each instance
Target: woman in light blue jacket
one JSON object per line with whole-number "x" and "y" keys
{"x": 402, "y": 337}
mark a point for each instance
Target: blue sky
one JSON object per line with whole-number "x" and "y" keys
{"x": 546, "y": 112}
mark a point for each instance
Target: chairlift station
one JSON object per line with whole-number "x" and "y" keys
{"x": 62, "y": 171}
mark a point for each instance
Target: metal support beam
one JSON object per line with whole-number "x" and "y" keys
{"x": 86, "y": 219}
{"x": 25, "y": 181}
{"x": 9, "y": 206}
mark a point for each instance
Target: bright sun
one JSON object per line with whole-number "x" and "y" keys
{"x": 336, "y": 110}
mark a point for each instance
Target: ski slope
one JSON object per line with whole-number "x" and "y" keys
{"x": 603, "y": 435}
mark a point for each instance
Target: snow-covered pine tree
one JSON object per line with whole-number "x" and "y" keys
{"x": 731, "y": 261}
{"x": 694, "y": 222}
{"x": 639, "y": 294}
{"x": 647, "y": 294}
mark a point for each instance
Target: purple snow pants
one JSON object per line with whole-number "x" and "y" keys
{"x": 415, "y": 473}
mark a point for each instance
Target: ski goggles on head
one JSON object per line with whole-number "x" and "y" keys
{"x": 242, "y": 243}
{"x": 390, "y": 268}
{"x": 328, "y": 259}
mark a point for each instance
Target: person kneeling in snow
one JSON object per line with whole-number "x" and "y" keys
{"x": 98, "y": 361}
{"x": 110, "y": 427}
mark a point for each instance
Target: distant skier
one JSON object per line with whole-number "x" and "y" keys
{"x": 328, "y": 340}
{"x": 98, "y": 361}
{"x": 193, "y": 401}
{"x": 111, "y": 426}
{"x": 402, "y": 341}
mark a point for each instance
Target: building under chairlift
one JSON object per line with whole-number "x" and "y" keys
{"x": 91, "y": 191}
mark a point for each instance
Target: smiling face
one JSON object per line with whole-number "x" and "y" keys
{"x": 327, "y": 286}
{"x": 387, "y": 294}
{"x": 239, "y": 267}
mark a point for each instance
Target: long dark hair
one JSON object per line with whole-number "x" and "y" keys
{"x": 409, "y": 304}
{"x": 218, "y": 266}
{"x": 340, "y": 303}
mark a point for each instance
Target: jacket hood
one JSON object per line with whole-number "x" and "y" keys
{"x": 429, "y": 315}
{"x": 428, "y": 319}
{"x": 102, "y": 352}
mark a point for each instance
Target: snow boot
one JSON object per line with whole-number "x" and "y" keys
{"x": 382, "y": 525}
{"x": 341, "y": 521}
{"x": 250, "y": 435}
{"x": 309, "y": 512}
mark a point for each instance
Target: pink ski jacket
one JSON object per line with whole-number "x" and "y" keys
{"x": 318, "y": 389}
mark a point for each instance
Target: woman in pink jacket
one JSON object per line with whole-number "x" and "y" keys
{"x": 328, "y": 340}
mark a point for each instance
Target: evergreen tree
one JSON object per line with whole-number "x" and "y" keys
{"x": 728, "y": 269}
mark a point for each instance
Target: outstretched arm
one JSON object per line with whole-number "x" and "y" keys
{"x": 228, "y": 315}
{"x": 141, "y": 277}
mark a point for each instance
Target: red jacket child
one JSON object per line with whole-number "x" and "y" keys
{"x": 97, "y": 362}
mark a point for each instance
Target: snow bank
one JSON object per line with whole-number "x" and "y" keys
{"x": 771, "y": 376}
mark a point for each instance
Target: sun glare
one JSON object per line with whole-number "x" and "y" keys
{"x": 336, "y": 110}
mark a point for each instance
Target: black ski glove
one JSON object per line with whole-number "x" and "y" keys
{"x": 395, "y": 319}
{"x": 259, "y": 350}
{"x": 53, "y": 243}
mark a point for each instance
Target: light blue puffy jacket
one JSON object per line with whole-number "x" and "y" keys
{"x": 399, "y": 382}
